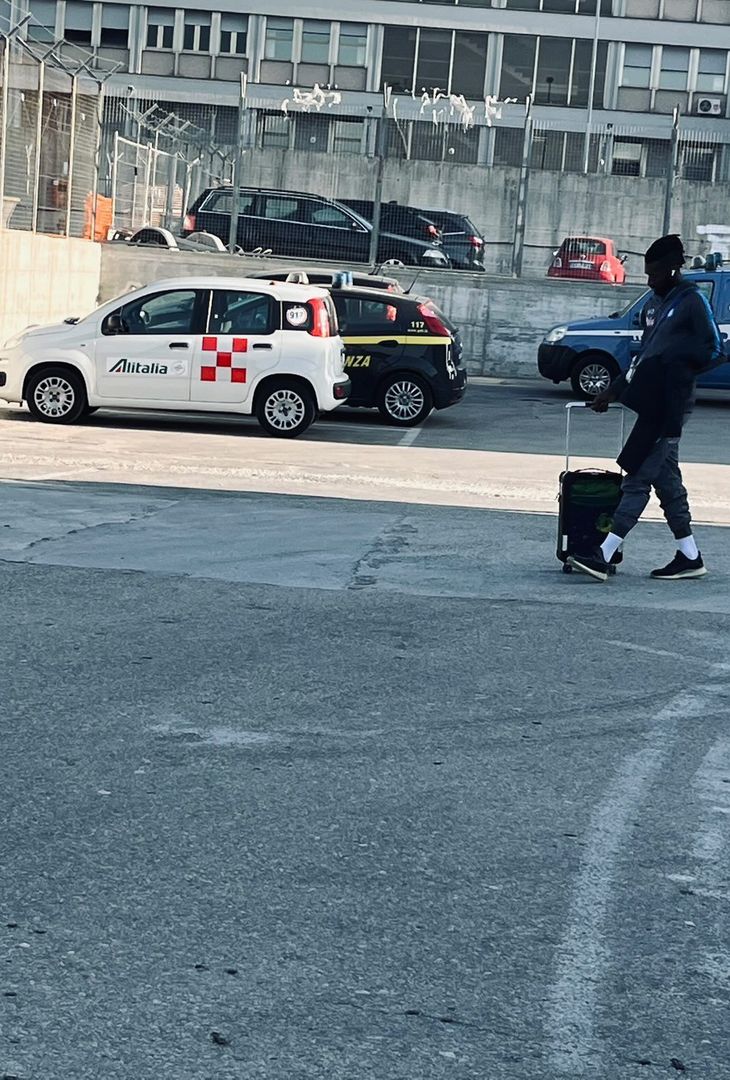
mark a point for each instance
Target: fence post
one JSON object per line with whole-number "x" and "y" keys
{"x": 71, "y": 156}
{"x": 38, "y": 137}
{"x": 671, "y": 174}
{"x": 115, "y": 177}
{"x": 171, "y": 186}
{"x": 237, "y": 176}
{"x": 97, "y": 160}
{"x": 4, "y": 125}
{"x": 378, "y": 188}
{"x": 518, "y": 243}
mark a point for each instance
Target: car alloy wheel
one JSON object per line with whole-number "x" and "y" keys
{"x": 404, "y": 400}
{"x": 285, "y": 410}
{"x": 54, "y": 397}
{"x": 594, "y": 379}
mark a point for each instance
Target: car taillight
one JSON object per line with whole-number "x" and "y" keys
{"x": 557, "y": 263}
{"x": 432, "y": 321}
{"x": 605, "y": 267}
{"x": 320, "y": 318}
{"x": 476, "y": 241}
{"x": 189, "y": 223}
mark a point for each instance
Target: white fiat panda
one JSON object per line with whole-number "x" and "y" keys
{"x": 214, "y": 345}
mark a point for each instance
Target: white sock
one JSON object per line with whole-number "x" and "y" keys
{"x": 610, "y": 546}
{"x": 688, "y": 546}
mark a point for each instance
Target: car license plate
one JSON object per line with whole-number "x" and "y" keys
{"x": 582, "y": 266}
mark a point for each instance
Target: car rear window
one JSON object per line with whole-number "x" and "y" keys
{"x": 363, "y": 315}
{"x": 580, "y": 247}
{"x": 220, "y": 202}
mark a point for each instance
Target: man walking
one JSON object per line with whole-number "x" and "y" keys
{"x": 682, "y": 341}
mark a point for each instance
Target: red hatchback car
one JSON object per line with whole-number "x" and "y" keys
{"x": 590, "y": 258}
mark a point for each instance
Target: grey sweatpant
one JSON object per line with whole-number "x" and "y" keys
{"x": 660, "y": 471}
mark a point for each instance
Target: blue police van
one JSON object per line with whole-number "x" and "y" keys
{"x": 591, "y": 353}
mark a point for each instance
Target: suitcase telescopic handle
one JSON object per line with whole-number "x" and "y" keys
{"x": 586, "y": 405}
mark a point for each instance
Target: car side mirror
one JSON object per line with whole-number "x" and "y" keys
{"x": 115, "y": 324}
{"x": 623, "y": 259}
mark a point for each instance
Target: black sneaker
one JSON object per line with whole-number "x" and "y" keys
{"x": 681, "y": 567}
{"x": 595, "y": 565}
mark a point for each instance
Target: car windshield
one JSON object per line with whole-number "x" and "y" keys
{"x": 627, "y": 307}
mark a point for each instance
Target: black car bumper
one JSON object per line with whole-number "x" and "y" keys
{"x": 556, "y": 361}
{"x": 445, "y": 394}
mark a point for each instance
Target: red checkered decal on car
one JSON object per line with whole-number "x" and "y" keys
{"x": 225, "y": 349}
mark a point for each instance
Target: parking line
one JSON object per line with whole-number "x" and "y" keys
{"x": 410, "y": 436}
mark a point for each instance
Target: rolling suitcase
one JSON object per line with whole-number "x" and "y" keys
{"x": 586, "y": 502}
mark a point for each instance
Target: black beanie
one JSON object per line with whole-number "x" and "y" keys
{"x": 666, "y": 249}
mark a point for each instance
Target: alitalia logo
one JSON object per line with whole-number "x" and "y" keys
{"x": 134, "y": 367}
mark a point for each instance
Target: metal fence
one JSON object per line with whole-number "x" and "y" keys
{"x": 49, "y": 136}
{"x": 75, "y": 161}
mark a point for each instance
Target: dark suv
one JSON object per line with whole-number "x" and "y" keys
{"x": 303, "y": 225}
{"x": 462, "y": 241}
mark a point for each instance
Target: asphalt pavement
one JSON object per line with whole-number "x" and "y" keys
{"x": 303, "y": 787}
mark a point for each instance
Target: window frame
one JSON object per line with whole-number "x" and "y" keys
{"x": 665, "y": 49}
{"x": 196, "y": 322}
{"x": 344, "y": 33}
{"x": 272, "y": 303}
{"x": 267, "y": 55}
{"x": 165, "y": 29}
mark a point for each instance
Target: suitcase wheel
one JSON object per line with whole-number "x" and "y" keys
{"x": 567, "y": 569}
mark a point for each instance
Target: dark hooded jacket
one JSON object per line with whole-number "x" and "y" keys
{"x": 683, "y": 342}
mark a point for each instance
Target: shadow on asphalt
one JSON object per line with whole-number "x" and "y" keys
{"x": 520, "y": 417}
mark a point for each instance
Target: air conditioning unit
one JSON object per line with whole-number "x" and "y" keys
{"x": 709, "y": 106}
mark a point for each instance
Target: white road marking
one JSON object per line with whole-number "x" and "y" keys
{"x": 410, "y": 436}
{"x": 583, "y": 954}
{"x": 684, "y": 657}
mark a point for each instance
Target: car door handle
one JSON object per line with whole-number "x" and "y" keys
{"x": 262, "y": 345}
{"x": 178, "y": 345}
{"x": 391, "y": 343}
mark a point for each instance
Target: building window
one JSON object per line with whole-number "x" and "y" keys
{"x": 353, "y": 45}
{"x": 160, "y": 28}
{"x": 642, "y": 9}
{"x": 711, "y": 71}
{"x": 674, "y": 69}
{"x": 434, "y": 60}
{"x": 399, "y": 53}
{"x": 311, "y": 132}
{"x": 234, "y": 29}
{"x": 581, "y": 78}
{"x": 637, "y": 66}
{"x": 553, "y": 71}
{"x": 681, "y": 10}
{"x": 564, "y": 7}
{"x": 273, "y": 131}
{"x": 347, "y": 137}
{"x": 279, "y": 39}
{"x": 42, "y": 26}
{"x": 114, "y": 26}
{"x": 470, "y": 61}
{"x": 315, "y": 42}
{"x": 518, "y": 66}
{"x": 196, "y": 33}
{"x": 78, "y": 22}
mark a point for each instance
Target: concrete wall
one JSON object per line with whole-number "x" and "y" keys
{"x": 501, "y": 320}
{"x": 44, "y": 279}
{"x": 627, "y": 209}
